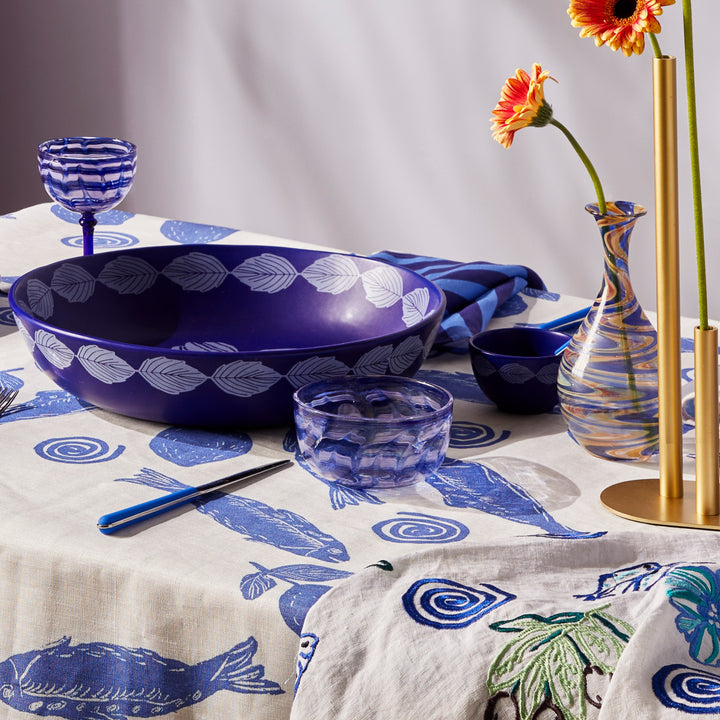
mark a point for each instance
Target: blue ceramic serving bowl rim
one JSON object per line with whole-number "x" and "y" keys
{"x": 432, "y": 317}
{"x": 304, "y": 406}
{"x": 474, "y": 345}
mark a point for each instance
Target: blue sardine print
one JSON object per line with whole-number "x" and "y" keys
{"x": 282, "y": 528}
{"x": 100, "y": 681}
{"x": 637, "y": 578}
{"x": 473, "y": 485}
{"x": 46, "y": 403}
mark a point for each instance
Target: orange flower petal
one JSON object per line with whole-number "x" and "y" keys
{"x": 619, "y": 24}
{"x": 521, "y": 100}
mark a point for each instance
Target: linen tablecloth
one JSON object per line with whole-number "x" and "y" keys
{"x": 499, "y": 587}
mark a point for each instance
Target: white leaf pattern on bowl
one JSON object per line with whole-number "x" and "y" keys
{"x": 104, "y": 364}
{"x": 73, "y": 283}
{"x": 171, "y": 376}
{"x": 128, "y": 275}
{"x": 196, "y": 271}
{"x": 57, "y": 353}
{"x": 374, "y": 362}
{"x": 40, "y": 298}
{"x": 208, "y": 346}
{"x": 415, "y": 305}
{"x": 24, "y": 332}
{"x": 333, "y": 274}
{"x": 383, "y": 286}
{"x": 548, "y": 374}
{"x": 316, "y": 368}
{"x": 266, "y": 273}
{"x": 405, "y": 354}
{"x": 245, "y": 378}
{"x": 515, "y": 373}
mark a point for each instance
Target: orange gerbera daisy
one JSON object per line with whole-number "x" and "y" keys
{"x": 522, "y": 103}
{"x": 619, "y": 24}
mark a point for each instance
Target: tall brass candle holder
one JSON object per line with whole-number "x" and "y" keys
{"x": 669, "y": 500}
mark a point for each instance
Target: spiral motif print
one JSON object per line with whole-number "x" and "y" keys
{"x": 687, "y": 689}
{"x": 7, "y": 317}
{"x": 474, "y": 435}
{"x": 420, "y": 528}
{"x": 103, "y": 239}
{"x": 77, "y": 450}
{"x": 608, "y": 381}
{"x": 445, "y": 604}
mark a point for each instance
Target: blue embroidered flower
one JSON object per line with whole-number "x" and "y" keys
{"x": 694, "y": 591}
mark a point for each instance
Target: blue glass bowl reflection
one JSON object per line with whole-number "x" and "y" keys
{"x": 373, "y": 432}
{"x": 517, "y": 367}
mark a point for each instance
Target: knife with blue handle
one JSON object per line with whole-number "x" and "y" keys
{"x": 129, "y": 516}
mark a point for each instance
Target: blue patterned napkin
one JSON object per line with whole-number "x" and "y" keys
{"x": 474, "y": 291}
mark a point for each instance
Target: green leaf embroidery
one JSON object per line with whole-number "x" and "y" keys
{"x": 549, "y": 657}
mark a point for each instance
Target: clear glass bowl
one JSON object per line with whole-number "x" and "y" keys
{"x": 373, "y": 432}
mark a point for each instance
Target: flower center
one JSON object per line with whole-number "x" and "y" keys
{"x": 623, "y": 10}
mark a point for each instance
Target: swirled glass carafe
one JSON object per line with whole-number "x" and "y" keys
{"x": 608, "y": 378}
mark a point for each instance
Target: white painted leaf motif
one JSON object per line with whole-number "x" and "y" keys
{"x": 333, "y": 274}
{"x": 415, "y": 305}
{"x": 266, "y": 273}
{"x": 374, "y": 362}
{"x": 171, "y": 376}
{"x": 208, "y": 346}
{"x": 40, "y": 298}
{"x": 405, "y": 354}
{"x": 57, "y": 353}
{"x": 128, "y": 275}
{"x": 104, "y": 364}
{"x": 316, "y": 368}
{"x": 73, "y": 282}
{"x": 547, "y": 375}
{"x": 515, "y": 373}
{"x": 196, "y": 271}
{"x": 244, "y": 379}
{"x": 383, "y": 286}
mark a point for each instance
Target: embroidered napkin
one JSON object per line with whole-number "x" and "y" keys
{"x": 495, "y": 633}
{"x": 474, "y": 292}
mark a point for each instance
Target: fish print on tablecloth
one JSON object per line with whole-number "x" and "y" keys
{"x": 340, "y": 495}
{"x": 8, "y": 380}
{"x": 636, "y": 578}
{"x": 283, "y": 529}
{"x": 101, "y": 681}
{"x": 474, "y": 485}
{"x": 187, "y": 233}
{"x": 555, "y": 666}
{"x": 303, "y": 593}
{"x": 193, "y": 446}
{"x": 462, "y": 386}
{"x": 46, "y": 403}
{"x": 109, "y": 217}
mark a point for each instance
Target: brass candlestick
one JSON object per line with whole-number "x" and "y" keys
{"x": 668, "y": 500}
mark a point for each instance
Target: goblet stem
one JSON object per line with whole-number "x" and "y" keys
{"x": 88, "y": 223}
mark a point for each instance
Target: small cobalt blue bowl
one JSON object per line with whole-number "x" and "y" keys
{"x": 517, "y": 367}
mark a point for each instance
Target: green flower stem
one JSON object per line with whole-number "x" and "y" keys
{"x": 602, "y": 205}
{"x": 655, "y": 45}
{"x": 695, "y": 163}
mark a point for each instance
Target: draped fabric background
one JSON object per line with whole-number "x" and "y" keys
{"x": 359, "y": 124}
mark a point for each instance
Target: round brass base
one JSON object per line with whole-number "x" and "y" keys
{"x": 640, "y": 500}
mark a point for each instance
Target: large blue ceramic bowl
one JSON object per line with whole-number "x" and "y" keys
{"x": 220, "y": 334}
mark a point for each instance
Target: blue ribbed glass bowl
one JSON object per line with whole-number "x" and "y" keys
{"x": 373, "y": 432}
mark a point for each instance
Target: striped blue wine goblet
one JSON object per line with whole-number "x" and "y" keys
{"x": 87, "y": 175}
